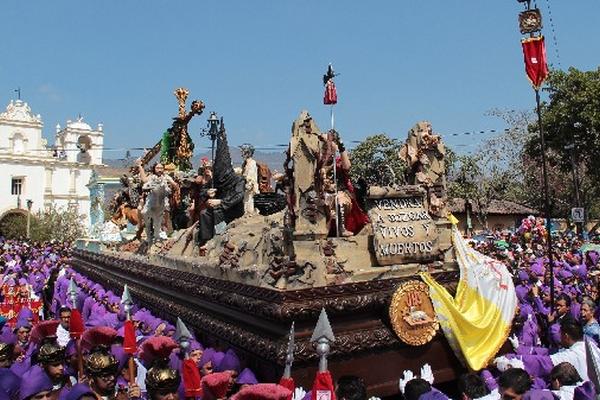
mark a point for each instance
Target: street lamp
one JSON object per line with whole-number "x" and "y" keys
{"x": 29, "y": 205}
{"x": 213, "y": 131}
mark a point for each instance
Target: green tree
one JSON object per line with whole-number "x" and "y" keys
{"x": 13, "y": 226}
{"x": 571, "y": 118}
{"x": 57, "y": 224}
{"x": 376, "y": 160}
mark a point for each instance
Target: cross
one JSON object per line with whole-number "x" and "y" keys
{"x": 18, "y": 91}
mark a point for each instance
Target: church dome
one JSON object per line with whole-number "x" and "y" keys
{"x": 79, "y": 125}
{"x": 19, "y": 111}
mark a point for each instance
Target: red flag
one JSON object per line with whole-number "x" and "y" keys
{"x": 129, "y": 342}
{"x": 323, "y": 387}
{"x": 536, "y": 67}
{"x": 76, "y": 324}
{"x": 289, "y": 384}
{"x": 330, "y": 96}
{"x": 191, "y": 379}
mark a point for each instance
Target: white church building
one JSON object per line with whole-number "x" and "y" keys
{"x": 34, "y": 174}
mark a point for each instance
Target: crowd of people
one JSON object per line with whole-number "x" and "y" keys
{"x": 56, "y": 345}
{"x": 65, "y": 344}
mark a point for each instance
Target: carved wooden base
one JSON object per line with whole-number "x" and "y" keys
{"x": 256, "y": 320}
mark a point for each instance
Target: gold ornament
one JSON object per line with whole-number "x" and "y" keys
{"x": 412, "y": 314}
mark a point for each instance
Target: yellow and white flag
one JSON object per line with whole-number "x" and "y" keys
{"x": 477, "y": 320}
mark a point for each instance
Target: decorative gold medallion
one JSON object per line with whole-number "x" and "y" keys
{"x": 412, "y": 314}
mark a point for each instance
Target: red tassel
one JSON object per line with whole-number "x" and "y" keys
{"x": 76, "y": 324}
{"x": 289, "y": 384}
{"x": 323, "y": 387}
{"x": 129, "y": 342}
{"x": 191, "y": 379}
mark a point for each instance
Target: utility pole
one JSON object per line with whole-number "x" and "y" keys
{"x": 575, "y": 172}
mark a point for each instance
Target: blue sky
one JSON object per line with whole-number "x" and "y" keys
{"x": 258, "y": 63}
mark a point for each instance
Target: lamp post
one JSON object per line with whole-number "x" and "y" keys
{"x": 29, "y": 205}
{"x": 571, "y": 149}
{"x": 213, "y": 131}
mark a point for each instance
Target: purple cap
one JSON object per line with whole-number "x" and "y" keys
{"x": 247, "y": 377}
{"x": 195, "y": 345}
{"x": 9, "y": 382}
{"x": 564, "y": 274}
{"x": 25, "y": 313}
{"x": 78, "y": 391}
{"x": 216, "y": 358}
{"x": 34, "y": 381}
{"x": 207, "y": 356}
{"x": 523, "y": 275}
{"x": 22, "y": 281}
{"x": 230, "y": 362}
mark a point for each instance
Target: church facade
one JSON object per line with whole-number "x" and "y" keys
{"x": 38, "y": 176}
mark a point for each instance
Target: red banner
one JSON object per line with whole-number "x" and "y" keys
{"x": 534, "y": 51}
{"x": 330, "y": 96}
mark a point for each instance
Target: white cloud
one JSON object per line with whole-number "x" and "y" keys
{"x": 50, "y": 92}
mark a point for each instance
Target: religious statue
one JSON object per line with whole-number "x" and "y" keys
{"x": 250, "y": 174}
{"x": 344, "y": 215}
{"x": 176, "y": 146}
{"x": 157, "y": 186}
{"x": 321, "y": 199}
{"x": 424, "y": 154}
{"x": 226, "y": 198}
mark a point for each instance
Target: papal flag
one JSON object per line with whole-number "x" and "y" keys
{"x": 477, "y": 320}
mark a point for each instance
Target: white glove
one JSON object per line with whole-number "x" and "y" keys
{"x": 299, "y": 393}
{"x": 374, "y": 398}
{"x": 427, "y": 373}
{"x": 516, "y": 363}
{"x": 502, "y": 363}
{"x": 407, "y": 376}
{"x": 514, "y": 341}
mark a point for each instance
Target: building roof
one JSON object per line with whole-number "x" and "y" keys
{"x": 19, "y": 111}
{"x": 111, "y": 172}
{"x": 79, "y": 124}
{"x": 503, "y": 207}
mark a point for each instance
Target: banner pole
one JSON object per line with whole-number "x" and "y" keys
{"x": 546, "y": 197}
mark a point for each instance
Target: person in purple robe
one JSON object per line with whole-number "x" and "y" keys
{"x": 514, "y": 383}
{"x": 35, "y": 384}
{"x": 523, "y": 288}
{"x": 230, "y": 362}
{"x": 573, "y": 351}
{"x": 246, "y": 377}
{"x": 472, "y": 387}
{"x": 561, "y": 315}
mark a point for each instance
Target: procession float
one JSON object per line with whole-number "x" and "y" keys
{"x": 251, "y": 253}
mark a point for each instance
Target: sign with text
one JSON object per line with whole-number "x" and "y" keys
{"x": 403, "y": 231}
{"x": 577, "y": 214}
